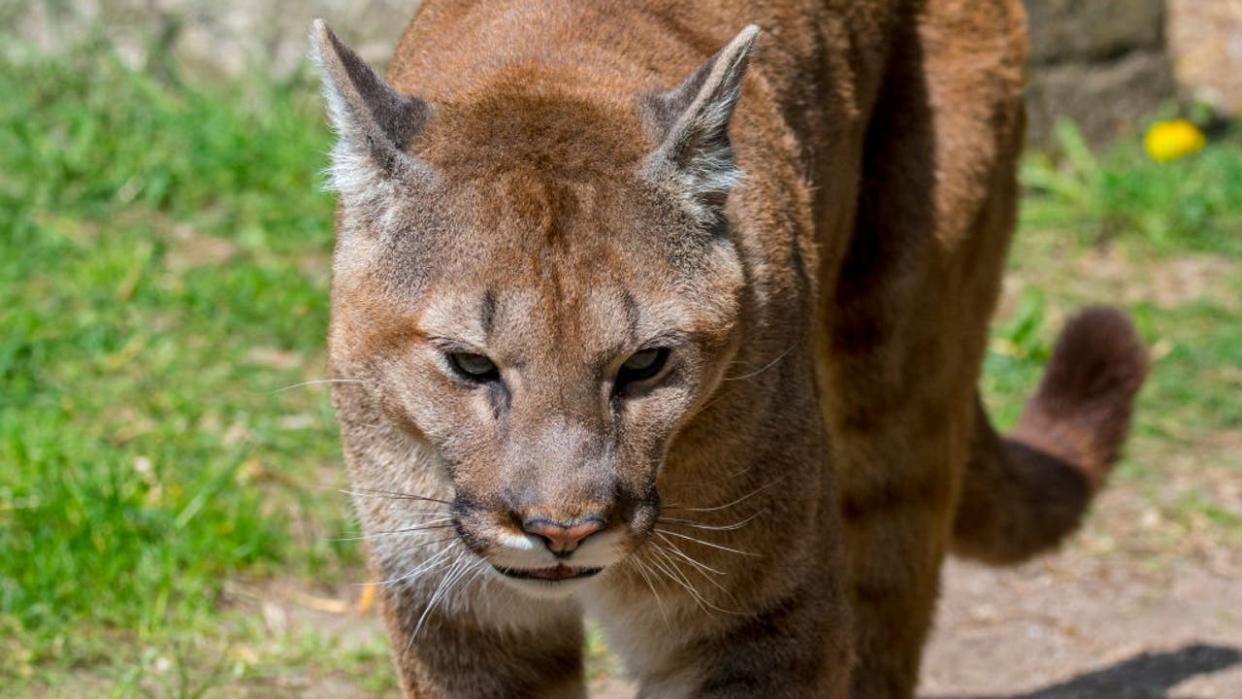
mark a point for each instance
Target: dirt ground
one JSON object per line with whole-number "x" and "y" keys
{"x": 1079, "y": 630}
{"x": 1136, "y": 606}
{"x": 1077, "y": 626}
{"x": 1074, "y": 626}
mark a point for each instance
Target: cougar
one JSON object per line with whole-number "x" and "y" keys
{"x": 670, "y": 316}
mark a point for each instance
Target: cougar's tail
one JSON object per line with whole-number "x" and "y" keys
{"x": 1023, "y": 493}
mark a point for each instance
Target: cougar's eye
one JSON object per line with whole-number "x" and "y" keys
{"x": 475, "y": 367}
{"x": 642, "y": 366}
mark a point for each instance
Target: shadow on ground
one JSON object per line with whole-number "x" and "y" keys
{"x": 1145, "y": 676}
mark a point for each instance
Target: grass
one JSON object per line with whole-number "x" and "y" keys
{"x": 163, "y": 275}
{"x": 1170, "y": 208}
{"x": 164, "y": 272}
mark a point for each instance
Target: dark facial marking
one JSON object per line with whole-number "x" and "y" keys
{"x": 487, "y": 313}
{"x": 498, "y": 396}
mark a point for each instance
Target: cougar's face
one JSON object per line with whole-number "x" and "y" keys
{"x": 537, "y": 289}
{"x": 545, "y": 350}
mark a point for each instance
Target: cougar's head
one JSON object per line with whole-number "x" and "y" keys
{"x": 536, "y": 289}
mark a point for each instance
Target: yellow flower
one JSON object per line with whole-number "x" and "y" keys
{"x": 1170, "y": 140}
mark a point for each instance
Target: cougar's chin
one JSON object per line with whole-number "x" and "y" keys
{"x": 525, "y": 563}
{"x": 553, "y": 582}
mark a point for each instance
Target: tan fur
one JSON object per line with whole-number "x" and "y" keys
{"x": 560, "y": 184}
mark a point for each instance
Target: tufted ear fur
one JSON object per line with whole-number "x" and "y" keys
{"x": 374, "y": 124}
{"x": 692, "y": 122}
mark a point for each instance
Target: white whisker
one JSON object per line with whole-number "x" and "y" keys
{"x": 456, "y": 571}
{"x": 727, "y": 505}
{"x": 762, "y": 369}
{"x": 641, "y": 568}
{"x": 675, "y": 549}
{"x": 708, "y": 543}
{"x": 674, "y": 577}
{"x": 445, "y": 523}
{"x": 393, "y": 495}
{"x": 700, "y": 598}
{"x": 712, "y": 527}
{"x": 318, "y": 382}
{"x": 427, "y": 565}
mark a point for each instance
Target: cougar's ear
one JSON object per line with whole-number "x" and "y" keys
{"x": 692, "y": 125}
{"x": 374, "y": 124}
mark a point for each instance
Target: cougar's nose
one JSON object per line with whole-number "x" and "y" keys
{"x": 562, "y": 538}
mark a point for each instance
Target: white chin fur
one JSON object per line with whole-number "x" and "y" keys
{"x": 511, "y": 551}
{"x": 529, "y": 553}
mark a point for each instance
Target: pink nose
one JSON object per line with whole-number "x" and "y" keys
{"x": 561, "y": 538}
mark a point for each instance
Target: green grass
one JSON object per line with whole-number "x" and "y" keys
{"x": 1190, "y": 205}
{"x": 164, "y": 264}
{"x": 163, "y": 272}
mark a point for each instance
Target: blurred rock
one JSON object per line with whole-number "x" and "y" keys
{"x": 1087, "y": 30}
{"x": 207, "y": 39}
{"x": 1104, "y": 98}
{"x": 1206, "y": 41}
{"x": 1101, "y": 63}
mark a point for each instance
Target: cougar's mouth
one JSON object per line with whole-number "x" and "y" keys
{"x": 554, "y": 574}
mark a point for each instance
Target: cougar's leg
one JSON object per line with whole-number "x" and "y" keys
{"x": 901, "y": 439}
{"x": 908, "y": 323}
{"x": 454, "y": 652}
